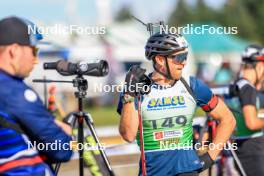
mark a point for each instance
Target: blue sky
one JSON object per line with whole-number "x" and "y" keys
{"x": 50, "y": 11}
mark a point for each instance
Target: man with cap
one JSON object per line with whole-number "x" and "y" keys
{"x": 25, "y": 122}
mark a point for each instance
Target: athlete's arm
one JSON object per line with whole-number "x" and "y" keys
{"x": 129, "y": 122}
{"x": 251, "y": 119}
{"x": 248, "y": 98}
{"x": 216, "y": 108}
{"x": 225, "y": 128}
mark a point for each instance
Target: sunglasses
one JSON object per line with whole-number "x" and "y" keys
{"x": 35, "y": 51}
{"x": 179, "y": 57}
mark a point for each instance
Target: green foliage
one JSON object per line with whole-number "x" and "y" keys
{"x": 123, "y": 15}
{"x": 255, "y": 9}
{"x": 236, "y": 14}
{"x": 104, "y": 116}
{"x": 247, "y": 16}
{"x": 202, "y": 13}
{"x": 181, "y": 14}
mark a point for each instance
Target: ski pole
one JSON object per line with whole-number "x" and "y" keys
{"x": 143, "y": 161}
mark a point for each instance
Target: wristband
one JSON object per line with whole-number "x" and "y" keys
{"x": 127, "y": 99}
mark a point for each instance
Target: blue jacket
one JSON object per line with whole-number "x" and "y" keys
{"x": 21, "y": 105}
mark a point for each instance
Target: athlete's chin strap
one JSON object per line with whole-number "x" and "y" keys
{"x": 168, "y": 69}
{"x": 168, "y": 75}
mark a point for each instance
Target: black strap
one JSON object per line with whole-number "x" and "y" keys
{"x": 188, "y": 88}
{"x": 157, "y": 70}
{"x": 6, "y": 124}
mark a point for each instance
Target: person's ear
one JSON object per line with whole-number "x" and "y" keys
{"x": 14, "y": 51}
{"x": 159, "y": 60}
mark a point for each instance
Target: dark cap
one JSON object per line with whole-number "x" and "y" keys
{"x": 18, "y": 30}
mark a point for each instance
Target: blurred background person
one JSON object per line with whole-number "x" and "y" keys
{"x": 245, "y": 106}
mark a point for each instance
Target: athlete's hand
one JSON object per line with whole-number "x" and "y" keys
{"x": 206, "y": 161}
{"x": 136, "y": 81}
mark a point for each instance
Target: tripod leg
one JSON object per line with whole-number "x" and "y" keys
{"x": 89, "y": 123}
{"x": 57, "y": 167}
{"x": 80, "y": 140}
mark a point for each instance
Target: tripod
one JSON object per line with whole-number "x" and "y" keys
{"x": 80, "y": 117}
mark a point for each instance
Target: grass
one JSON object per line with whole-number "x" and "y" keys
{"x": 104, "y": 116}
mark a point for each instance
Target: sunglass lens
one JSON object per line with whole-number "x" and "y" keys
{"x": 181, "y": 57}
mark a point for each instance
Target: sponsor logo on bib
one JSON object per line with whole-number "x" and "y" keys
{"x": 167, "y": 134}
{"x": 174, "y": 101}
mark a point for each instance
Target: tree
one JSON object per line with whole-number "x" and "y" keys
{"x": 124, "y": 14}
{"x": 203, "y": 13}
{"x": 181, "y": 15}
{"x": 237, "y": 14}
{"x": 255, "y": 9}
{"x": 247, "y": 16}
{"x": 184, "y": 13}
